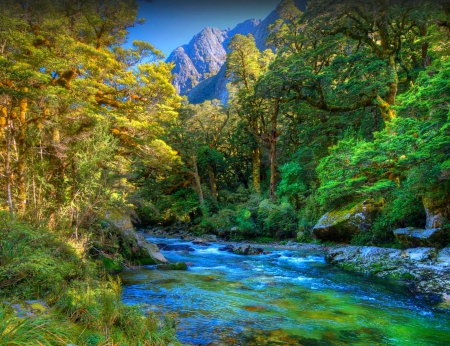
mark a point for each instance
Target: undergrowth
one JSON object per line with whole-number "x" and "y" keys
{"x": 85, "y": 303}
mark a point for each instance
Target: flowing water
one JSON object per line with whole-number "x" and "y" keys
{"x": 283, "y": 298}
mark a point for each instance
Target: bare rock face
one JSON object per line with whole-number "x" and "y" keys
{"x": 438, "y": 212}
{"x": 138, "y": 250}
{"x": 186, "y": 75}
{"x": 200, "y": 65}
{"x": 341, "y": 225}
{"x": 201, "y": 58}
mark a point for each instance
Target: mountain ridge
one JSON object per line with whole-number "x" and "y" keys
{"x": 200, "y": 65}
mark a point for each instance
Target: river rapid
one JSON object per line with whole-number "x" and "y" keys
{"x": 287, "y": 297}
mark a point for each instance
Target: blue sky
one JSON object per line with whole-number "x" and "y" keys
{"x": 172, "y": 23}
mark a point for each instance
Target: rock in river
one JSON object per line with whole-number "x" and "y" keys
{"x": 246, "y": 249}
{"x": 412, "y": 237}
{"x": 227, "y": 248}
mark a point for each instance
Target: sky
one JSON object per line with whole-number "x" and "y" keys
{"x": 172, "y": 23}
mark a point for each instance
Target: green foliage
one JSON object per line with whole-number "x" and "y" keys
{"x": 98, "y": 308}
{"x": 277, "y": 220}
{"x": 292, "y": 185}
{"x": 34, "y": 262}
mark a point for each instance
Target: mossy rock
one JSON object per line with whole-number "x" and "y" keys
{"x": 143, "y": 261}
{"x": 118, "y": 219}
{"x": 437, "y": 211}
{"x": 415, "y": 237}
{"x": 341, "y": 225}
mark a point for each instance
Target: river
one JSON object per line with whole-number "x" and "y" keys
{"x": 287, "y": 297}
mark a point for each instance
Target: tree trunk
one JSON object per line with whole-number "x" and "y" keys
{"x": 8, "y": 164}
{"x": 384, "y": 104}
{"x": 213, "y": 183}
{"x": 256, "y": 169}
{"x": 21, "y": 146}
{"x": 273, "y": 149}
{"x": 197, "y": 181}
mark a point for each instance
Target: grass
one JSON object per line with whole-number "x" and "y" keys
{"x": 43, "y": 330}
{"x": 85, "y": 303}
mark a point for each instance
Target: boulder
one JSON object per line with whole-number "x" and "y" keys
{"x": 425, "y": 269}
{"x": 246, "y": 249}
{"x": 209, "y": 237}
{"x": 227, "y": 248}
{"x": 444, "y": 256}
{"x": 119, "y": 219}
{"x": 416, "y": 237}
{"x": 149, "y": 250}
{"x": 438, "y": 212}
{"x": 341, "y": 225}
{"x": 200, "y": 242}
{"x": 420, "y": 254}
{"x": 134, "y": 247}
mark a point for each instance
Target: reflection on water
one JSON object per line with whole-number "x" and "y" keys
{"x": 284, "y": 298}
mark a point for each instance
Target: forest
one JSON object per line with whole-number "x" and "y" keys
{"x": 350, "y": 105}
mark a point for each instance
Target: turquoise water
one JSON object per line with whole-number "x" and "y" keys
{"x": 283, "y": 298}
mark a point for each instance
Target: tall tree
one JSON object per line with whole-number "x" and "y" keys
{"x": 245, "y": 64}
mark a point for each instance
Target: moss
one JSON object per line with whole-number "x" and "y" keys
{"x": 38, "y": 306}
{"x": 407, "y": 276}
{"x": 144, "y": 261}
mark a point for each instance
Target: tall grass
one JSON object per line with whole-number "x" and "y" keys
{"x": 39, "y": 264}
{"x": 42, "y": 330}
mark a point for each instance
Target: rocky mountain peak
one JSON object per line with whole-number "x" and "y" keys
{"x": 200, "y": 65}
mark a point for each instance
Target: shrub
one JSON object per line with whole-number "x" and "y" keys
{"x": 277, "y": 220}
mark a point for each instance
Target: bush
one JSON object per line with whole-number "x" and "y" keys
{"x": 277, "y": 220}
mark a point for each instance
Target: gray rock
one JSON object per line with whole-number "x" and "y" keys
{"x": 227, "y": 248}
{"x": 180, "y": 248}
{"x": 421, "y": 254}
{"x": 438, "y": 211}
{"x": 200, "y": 242}
{"x": 151, "y": 249}
{"x": 209, "y": 237}
{"x": 444, "y": 256}
{"x": 410, "y": 236}
{"x": 426, "y": 270}
{"x": 246, "y": 249}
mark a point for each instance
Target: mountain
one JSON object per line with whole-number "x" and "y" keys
{"x": 204, "y": 55}
{"x": 200, "y": 65}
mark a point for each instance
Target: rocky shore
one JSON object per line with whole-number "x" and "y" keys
{"x": 426, "y": 270}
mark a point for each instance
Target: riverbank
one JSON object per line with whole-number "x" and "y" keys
{"x": 426, "y": 271}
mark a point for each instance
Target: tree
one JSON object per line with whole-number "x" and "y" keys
{"x": 245, "y": 64}
{"x": 63, "y": 79}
